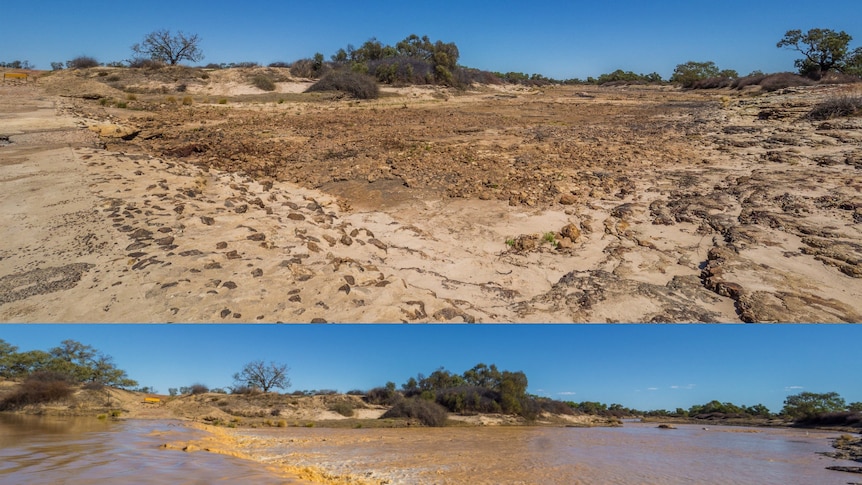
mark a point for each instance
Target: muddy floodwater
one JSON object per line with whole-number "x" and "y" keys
{"x": 77, "y": 451}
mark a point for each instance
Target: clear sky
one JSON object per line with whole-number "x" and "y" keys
{"x": 557, "y": 38}
{"x": 639, "y": 366}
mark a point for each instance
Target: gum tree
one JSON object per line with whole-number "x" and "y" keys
{"x": 823, "y": 50}
{"x": 258, "y": 374}
{"x": 170, "y": 49}
{"x": 809, "y": 404}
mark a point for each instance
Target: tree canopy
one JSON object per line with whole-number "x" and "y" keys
{"x": 823, "y": 51}
{"x": 691, "y": 72}
{"x": 79, "y": 362}
{"x": 414, "y": 59}
{"x": 810, "y": 404}
{"x": 171, "y": 49}
{"x": 257, "y": 374}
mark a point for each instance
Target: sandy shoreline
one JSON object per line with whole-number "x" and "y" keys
{"x": 765, "y": 227}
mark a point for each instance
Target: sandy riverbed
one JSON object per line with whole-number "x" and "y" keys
{"x": 687, "y": 207}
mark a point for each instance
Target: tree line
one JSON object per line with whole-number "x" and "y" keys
{"x": 797, "y": 407}
{"x": 480, "y": 389}
{"x": 419, "y": 60}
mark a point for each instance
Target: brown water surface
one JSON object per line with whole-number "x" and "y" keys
{"x": 42, "y": 450}
{"x": 37, "y": 450}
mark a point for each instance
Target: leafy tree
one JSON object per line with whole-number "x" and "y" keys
{"x": 172, "y": 391}
{"x": 823, "y": 50}
{"x": 411, "y": 386}
{"x": 592, "y": 407}
{"x": 810, "y": 404}
{"x": 513, "y": 388}
{"x": 483, "y": 376}
{"x": 25, "y": 363}
{"x": 853, "y": 65}
{"x": 265, "y": 377}
{"x": 855, "y": 407}
{"x": 170, "y": 49}
{"x": 758, "y": 410}
{"x": 8, "y": 354}
{"x": 689, "y": 73}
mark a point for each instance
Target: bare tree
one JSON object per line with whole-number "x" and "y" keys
{"x": 170, "y": 49}
{"x": 264, "y": 377}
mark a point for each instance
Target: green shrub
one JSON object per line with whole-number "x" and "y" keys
{"x": 263, "y": 82}
{"x": 222, "y": 101}
{"x": 355, "y": 84}
{"x": 343, "y": 408}
{"x": 382, "y": 396}
{"x": 198, "y": 389}
{"x": 427, "y": 412}
{"x": 187, "y": 101}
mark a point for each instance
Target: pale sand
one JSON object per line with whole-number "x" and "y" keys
{"x": 92, "y": 235}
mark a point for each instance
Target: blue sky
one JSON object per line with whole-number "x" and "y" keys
{"x": 561, "y": 39}
{"x": 640, "y": 366}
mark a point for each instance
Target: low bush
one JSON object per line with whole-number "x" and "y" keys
{"x": 358, "y": 85}
{"x": 840, "y": 78}
{"x": 772, "y": 82}
{"x": 82, "y": 62}
{"x": 784, "y": 80}
{"x": 426, "y": 412}
{"x": 750, "y": 80}
{"x": 713, "y": 83}
{"x": 343, "y": 408}
{"x": 844, "y": 418}
{"x": 245, "y": 390}
{"x": 836, "y": 107}
{"x": 146, "y": 64}
{"x": 382, "y": 396}
{"x": 198, "y": 389}
{"x": 278, "y": 64}
{"x": 263, "y": 82}
{"x": 94, "y": 386}
{"x": 469, "y": 399}
{"x": 554, "y": 407}
{"x": 39, "y": 387}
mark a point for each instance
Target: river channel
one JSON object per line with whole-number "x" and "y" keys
{"x": 87, "y": 450}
